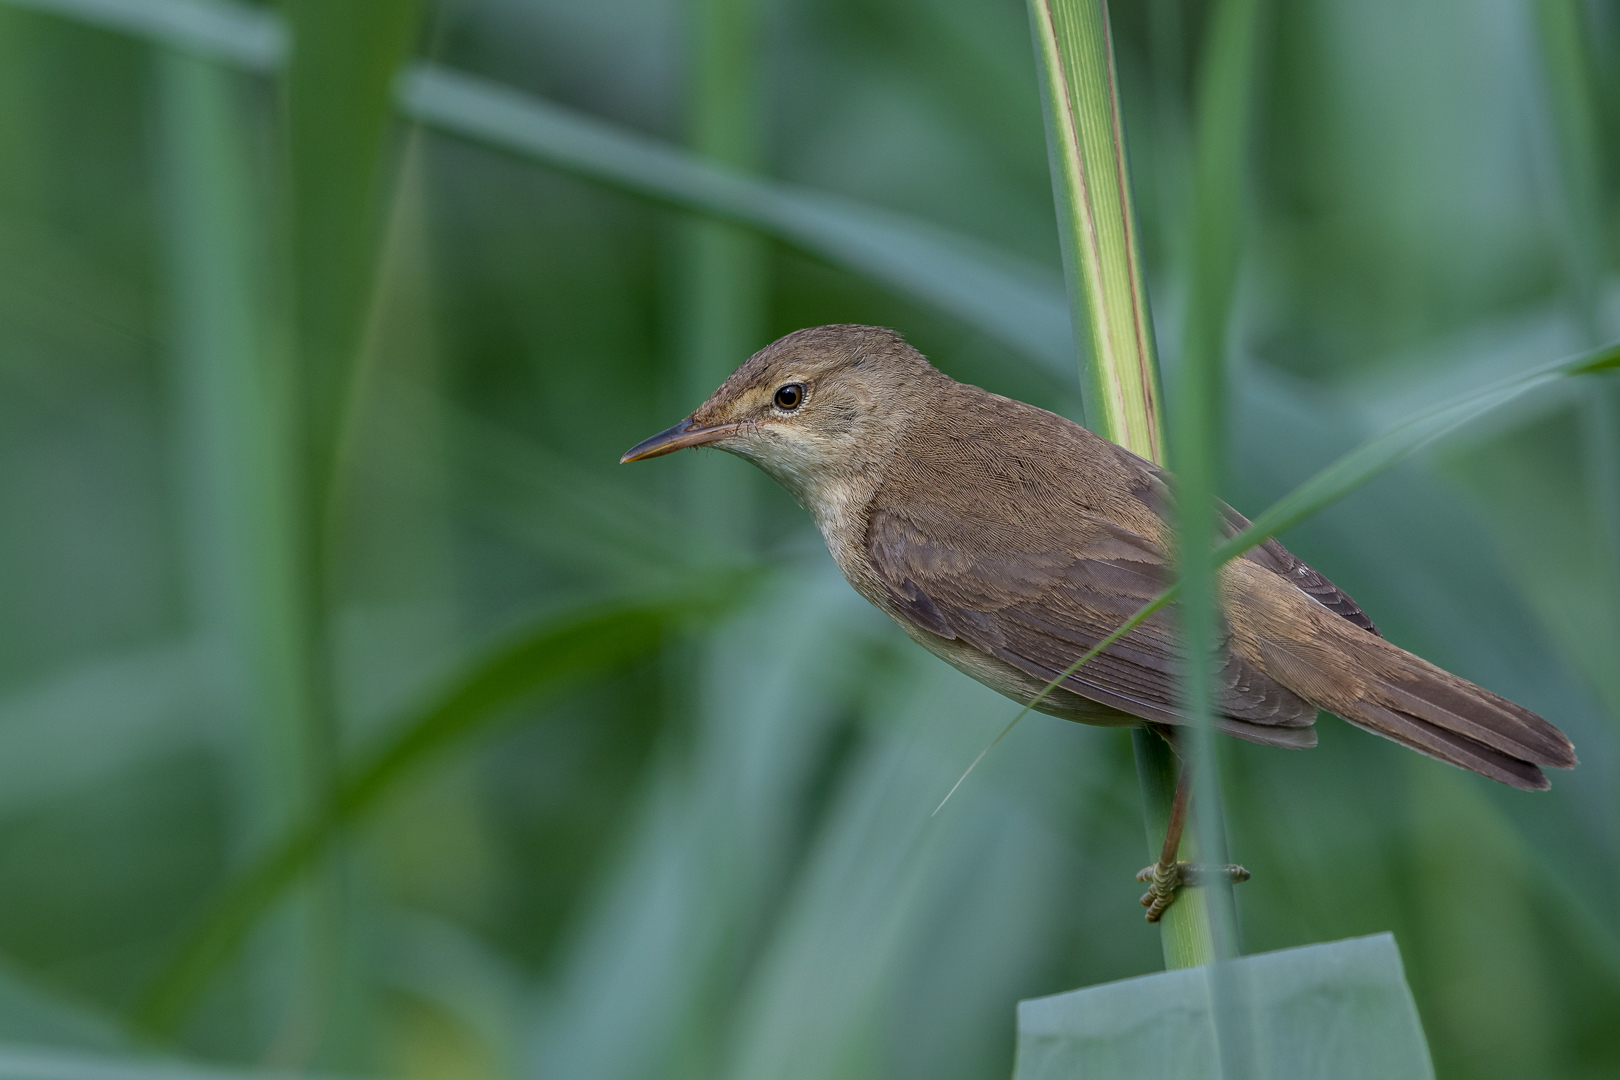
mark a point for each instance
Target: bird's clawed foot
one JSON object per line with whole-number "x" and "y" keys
{"x": 1166, "y": 878}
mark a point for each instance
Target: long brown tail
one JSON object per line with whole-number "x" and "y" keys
{"x": 1388, "y": 691}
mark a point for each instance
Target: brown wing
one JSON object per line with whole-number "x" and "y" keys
{"x": 1273, "y": 556}
{"x": 1154, "y": 491}
{"x": 1040, "y": 606}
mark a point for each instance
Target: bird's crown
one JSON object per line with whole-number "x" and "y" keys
{"x": 809, "y": 364}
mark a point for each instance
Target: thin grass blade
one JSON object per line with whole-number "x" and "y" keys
{"x": 1142, "y": 615}
{"x": 1198, "y": 450}
{"x": 1372, "y": 458}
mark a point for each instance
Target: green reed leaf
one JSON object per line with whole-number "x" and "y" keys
{"x": 1338, "y": 1011}
{"x": 1374, "y": 457}
{"x": 551, "y": 657}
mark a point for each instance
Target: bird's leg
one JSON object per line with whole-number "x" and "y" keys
{"x": 1167, "y": 875}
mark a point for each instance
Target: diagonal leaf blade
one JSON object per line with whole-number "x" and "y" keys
{"x": 1372, "y": 458}
{"x": 235, "y": 33}
{"x": 551, "y": 657}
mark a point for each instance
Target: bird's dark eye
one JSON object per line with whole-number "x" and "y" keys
{"x": 789, "y": 397}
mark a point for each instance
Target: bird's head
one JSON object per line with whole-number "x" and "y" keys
{"x": 813, "y": 407}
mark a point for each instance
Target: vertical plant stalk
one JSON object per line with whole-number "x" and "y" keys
{"x": 337, "y": 92}
{"x": 1097, "y": 223}
{"x": 338, "y": 86}
{"x": 235, "y": 458}
{"x": 1185, "y": 934}
{"x": 1577, "y": 216}
{"x": 722, "y": 289}
{"x": 236, "y": 454}
{"x": 338, "y": 116}
{"x": 1198, "y": 442}
{"x": 1572, "y": 91}
{"x": 1113, "y": 331}
{"x": 723, "y": 268}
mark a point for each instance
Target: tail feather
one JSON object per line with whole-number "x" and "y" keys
{"x": 1448, "y": 746}
{"x": 1387, "y": 690}
{"x": 1480, "y": 715}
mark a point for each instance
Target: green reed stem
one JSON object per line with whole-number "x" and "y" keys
{"x": 1097, "y": 224}
{"x": 1113, "y": 327}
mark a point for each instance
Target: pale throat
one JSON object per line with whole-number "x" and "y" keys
{"x": 835, "y": 495}
{"x": 840, "y": 511}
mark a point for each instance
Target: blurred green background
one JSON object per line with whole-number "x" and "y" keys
{"x": 310, "y": 409}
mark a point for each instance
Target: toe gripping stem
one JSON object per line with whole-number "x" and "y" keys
{"x": 1166, "y": 878}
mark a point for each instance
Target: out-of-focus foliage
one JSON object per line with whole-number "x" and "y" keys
{"x": 717, "y": 860}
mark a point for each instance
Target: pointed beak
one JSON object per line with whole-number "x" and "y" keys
{"x": 686, "y": 433}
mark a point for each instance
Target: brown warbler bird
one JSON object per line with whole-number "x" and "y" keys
{"x": 1008, "y": 541}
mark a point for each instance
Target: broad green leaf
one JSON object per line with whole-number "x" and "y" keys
{"x": 1339, "y": 1011}
{"x": 556, "y": 654}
